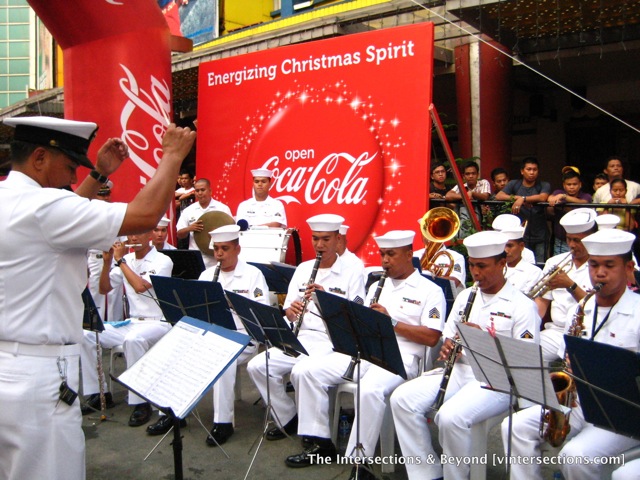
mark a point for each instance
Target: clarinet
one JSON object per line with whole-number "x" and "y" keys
{"x": 305, "y": 300}
{"x": 216, "y": 273}
{"x": 376, "y": 295}
{"x": 451, "y": 359}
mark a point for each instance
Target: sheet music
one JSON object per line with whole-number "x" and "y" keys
{"x": 523, "y": 362}
{"x": 180, "y": 367}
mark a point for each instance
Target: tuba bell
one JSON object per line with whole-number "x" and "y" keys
{"x": 437, "y": 226}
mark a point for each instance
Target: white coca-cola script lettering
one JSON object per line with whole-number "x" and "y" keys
{"x": 320, "y": 183}
{"x": 156, "y": 105}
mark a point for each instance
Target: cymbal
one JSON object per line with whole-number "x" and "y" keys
{"x": 211, "y": 221}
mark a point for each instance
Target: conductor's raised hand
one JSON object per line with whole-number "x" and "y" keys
{"x": 177, "y": 142}
{"x": 111, "y": 155}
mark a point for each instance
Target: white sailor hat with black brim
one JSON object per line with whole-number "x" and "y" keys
{"x": 69, "y": 136}
{"x": 610, "y": 241}
{"x": 579, "y": 220}
{"x": 326, "y": 222}
{"x": 488, "y": 243}
{"x": 395, "y": 239}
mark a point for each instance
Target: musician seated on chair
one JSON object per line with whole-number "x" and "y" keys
{"x": 611, "y": 316}
{"x": 189, "y": 221}
{"x": 498, "y": 308}
{"x": 160, "y": 234}
{"x": 145, "y": 325}
{"x": 569, "y": 285}
{"x": 236, "y": 276}
{"x": 522, "y": 274}
{"x": 458, "y": 275}
{"x": 262, "y": 209}
{"x": 416, "y": 308}
{"x": 332, "y": 276}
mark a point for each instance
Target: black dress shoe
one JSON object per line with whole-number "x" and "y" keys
{"x": 163, "y": 425}
{"x": 290, "y": 428}
{"x": 92, "y": 405}
{"x": 362, "y": 473}
{"x": 310, "y": 455}
{"x": 141, "y": 414}
{"x": 220, "y": 433}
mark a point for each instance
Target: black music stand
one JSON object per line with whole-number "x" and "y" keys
{"x": 203, "y": 300}
{"x": 504, "y": 364}
{"x": 608, "y": 383}
{"x": 362, "y": 334}
{"x": 277, "y": 280}
{"x": 187, "y": 264}
{"x": 285, "y": 270}
{"x": 190, "y": 346}
{"x": 266, "y": 326}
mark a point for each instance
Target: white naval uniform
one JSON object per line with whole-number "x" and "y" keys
{"x": 145, "y": 327}
{"x": 167, "y": 246}
{"x": 43, "y": 271}
{"x": 248, "y": 281}
{"x": 523, "y": 276}
{"x": 622, "y": 329}
{"x": 259, "y": 213}
{"x": 110, "y": 305}
{"x": 414, "y": 301}
{"x": 351, "y": 259}
{"x": 191, "y": 214}
{"x": 346, "y": 282}
{"x": 512, "y": 314}
{"x": 563, "y": 305}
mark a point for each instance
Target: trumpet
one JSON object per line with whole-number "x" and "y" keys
{"x": 437, "y": 226}
{"x": 348, "y": 374}
{"x": 451, "y": 359}
{"x": 305, "y": 300}
{"x": 554, "y": 426}
{"x": 542, "y": 286}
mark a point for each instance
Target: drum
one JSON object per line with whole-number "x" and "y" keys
{"x": 264, "y": 245}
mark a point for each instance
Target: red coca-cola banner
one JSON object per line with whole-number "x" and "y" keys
{"x": 117, "y": 73}
{"x": 343, "y": 123}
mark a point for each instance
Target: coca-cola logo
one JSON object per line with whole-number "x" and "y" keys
{"x": 154, "y": 105}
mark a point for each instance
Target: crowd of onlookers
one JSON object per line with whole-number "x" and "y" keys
{"x": 534, "y": 201}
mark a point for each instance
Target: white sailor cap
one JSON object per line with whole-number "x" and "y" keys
{"x": 343, "y": 229}
{"x": 226, "y": 233}
{"x": 505, "y": 221}
{"x": 513, "y": 233}
{"x": 607, "y": 220}
{"x": 327, "y": 222}
{"x": 610, "y": 241}
{"x": 395, "y": 239}
{"x": 262, "y": 172}
{"x": 69, "y": 136}
{"x": 488, "y": 243}
{"x": 164, "y": 222}
{"x": 579, "y": 220}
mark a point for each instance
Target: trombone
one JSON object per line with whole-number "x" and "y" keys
{"x": 542, "y": 287}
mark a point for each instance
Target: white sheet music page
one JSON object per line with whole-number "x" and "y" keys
{"x": 178, "y": 369}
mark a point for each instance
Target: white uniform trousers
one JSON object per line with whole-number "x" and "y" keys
{"x": 312, "y": 381}
{"x": 584, "y": 440}
{"x": 630, "y": 471}
{"x": 40, "y": 437}
{"x": 465, "y": 405}
{"x": 375, "y": 386}
{"x": 224, "y": 388}
{"x": 316, "y": 343}
{"x": 136, "y": 338}
{"x": 551, "y": 342}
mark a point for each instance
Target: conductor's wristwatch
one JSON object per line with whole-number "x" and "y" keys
{"x": 120, "y": 262}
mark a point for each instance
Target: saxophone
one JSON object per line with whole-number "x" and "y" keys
{"x": 451, "y": 359}
{"x": 305, "y": 300}
{"x": 554, "y": 425}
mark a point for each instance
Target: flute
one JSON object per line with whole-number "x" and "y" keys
{"x": 132, "y": 245}
{"x": 305, "y": 300}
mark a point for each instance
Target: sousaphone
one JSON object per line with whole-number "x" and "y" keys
{"x": 210, "y": 221}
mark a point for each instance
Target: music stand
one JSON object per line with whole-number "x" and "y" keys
{"x": 362, "y": 334}
{"x": 180, "y": 368}
{"x": 608, "y": 384}
{"x": 285, "y": 270}
{"x": 203, "y": 300}
{"x": 277, "y": 280}
{"x": 504, "y": 364}
{"x": 187, "y": 264}
{"x": 266, "y": 326}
